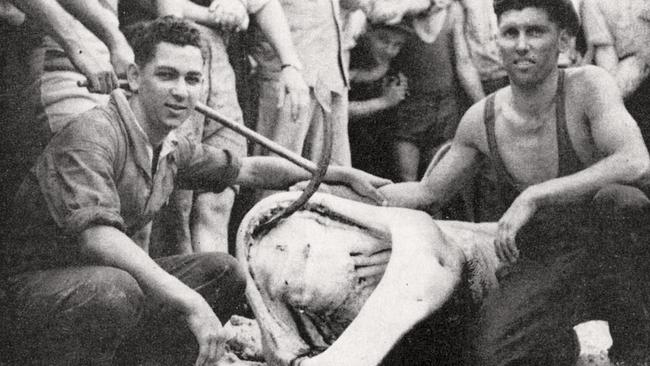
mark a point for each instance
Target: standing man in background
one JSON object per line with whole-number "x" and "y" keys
{"x": 317, "y": 35}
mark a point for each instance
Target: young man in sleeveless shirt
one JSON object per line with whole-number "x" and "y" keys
{"x": 569, "y": 159}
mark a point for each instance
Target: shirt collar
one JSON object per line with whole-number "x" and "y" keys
{"x": 170, "y": 143}
{"x": 140, "y": 141}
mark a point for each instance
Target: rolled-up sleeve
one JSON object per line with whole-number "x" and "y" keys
{"x": 207, "y": 168}
{"x": 76, "y": 178}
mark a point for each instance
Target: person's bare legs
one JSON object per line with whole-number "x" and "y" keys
{"x": 407, "y": 158}
{"x": 210, "y": 218}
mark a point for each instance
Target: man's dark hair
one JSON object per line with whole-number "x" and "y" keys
{"x": 560, "y": 12}
{"x": 146, "y": 35}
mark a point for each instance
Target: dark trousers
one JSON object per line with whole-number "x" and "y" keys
{"x": 97, "y": 315}
{"x": 578, "y": 264}
{"x": 620, "y": 287}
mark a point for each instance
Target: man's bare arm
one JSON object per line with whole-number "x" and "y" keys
{"x": 449, "y": 175}
{"x": 277, "y": 173}
{"x": 293, "y": 89}
{"x": 51, "y": 16}
{"x": 629, "y": 72}
{"x": 467, "y": 72}
{"x": 270, "y": 17}
{"x": 616, "y": 136}
{"x": 62, "y": 26}
{"x": 104, "y": 24}
{"x": 393, "y": 92}
{"x": 273, "y": 23}
{"x": 363, "y": 108}
{"x": 233, "y": 18}
{"x": 108, "y": 246}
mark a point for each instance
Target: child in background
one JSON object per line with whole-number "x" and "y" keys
{"x": 376, "y": 89}
{"x": 437, "y": 64}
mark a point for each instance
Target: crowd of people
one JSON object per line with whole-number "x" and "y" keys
{"x": 503, "y": 95}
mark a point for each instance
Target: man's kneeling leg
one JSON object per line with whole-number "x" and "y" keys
{"x": 71, "y": 316}
{"x": 621, "y": 291}
{"x": 162, "y": 337}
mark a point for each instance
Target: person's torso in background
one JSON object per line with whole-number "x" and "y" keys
{"x": 429, "y": 67}
{"x": 55, "y": 57}
{"x": 316, "y": 33}
{"x": 629, "y": 24}
{"x": 481, "y": 31}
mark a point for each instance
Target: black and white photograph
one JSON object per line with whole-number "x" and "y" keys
{"x": 325, "y": 182}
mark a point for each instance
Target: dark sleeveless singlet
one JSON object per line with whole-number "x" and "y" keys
{"x": 569, "y": 162}
{"x": 563, "y": 277}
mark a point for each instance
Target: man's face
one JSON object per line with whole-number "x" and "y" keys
{"x": 170, "y": 85}
{"x": 529, "y": 44}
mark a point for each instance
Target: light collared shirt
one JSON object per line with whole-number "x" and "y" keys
{"x": 169, "y": 144}
{"x": 56, "y": 58}
{"x": 97, "y": 171}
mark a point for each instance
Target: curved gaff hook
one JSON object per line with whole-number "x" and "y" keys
{"x": 318, "y": 171}
{"x": 313, "y": 185}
